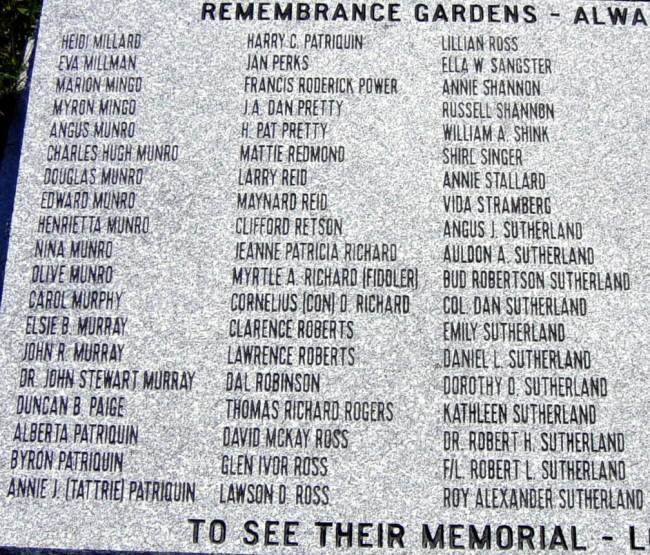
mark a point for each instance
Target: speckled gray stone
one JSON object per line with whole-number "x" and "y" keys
{"x": 177, "y": 284}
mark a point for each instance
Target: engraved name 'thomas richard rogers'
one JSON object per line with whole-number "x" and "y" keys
{"x": 329, "y": 277}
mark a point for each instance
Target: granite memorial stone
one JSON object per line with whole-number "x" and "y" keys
{"x": 330, "y": 277}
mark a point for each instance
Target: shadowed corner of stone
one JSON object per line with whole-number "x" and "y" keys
{"x": 14, "y": 108}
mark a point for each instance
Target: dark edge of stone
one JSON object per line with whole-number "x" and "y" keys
{"x": 10, "y": 165}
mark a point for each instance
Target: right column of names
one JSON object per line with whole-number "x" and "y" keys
{"x": 524, "y": 393}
